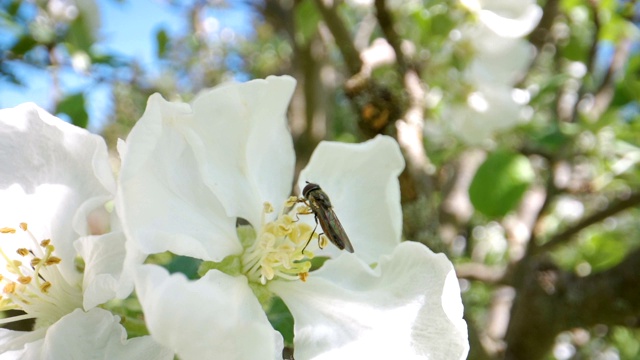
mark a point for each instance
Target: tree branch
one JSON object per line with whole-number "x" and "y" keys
{"x": 611, "y": 210}
{"x": 410, "y": 127}
{"x": 550, "y": 300}
{"x": 385, "y": 20}
{"x": 341, "y": 35}
{"x": 481, "y": 272}
{"x": 540, "y": 35}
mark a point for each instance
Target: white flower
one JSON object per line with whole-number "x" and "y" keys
{"x": 190, "y": 173}
{"x": 490, "y": 109}
{"x": 498, "y": 61}
{"x": 501, "y": 58}
{"x": 54, "y": 183}
{"x": 509, "y": 19}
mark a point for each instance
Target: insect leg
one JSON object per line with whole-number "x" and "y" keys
{"x": 304, "y": 213}
{"x": 311, "y": 237}
{"x": 307, "y": 212}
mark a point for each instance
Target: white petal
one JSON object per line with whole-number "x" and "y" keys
{"x": 362, "y": 182}
{"x": 58, "y": 168}
{"x": 515, "y": 18}
{"x": 162, "y": 200}
{"x": 96, "y": 334}
{"x": 513, "y": 26}
{"x": 215, "y": 317}
{"x": 500, "y": 61}
{"x": 104, "y": 261}
{"x": 244, "y": 144}
{"x": 493, "y": 109}
{"x": 408, "y": 307}
{"x": 13, "y": 344}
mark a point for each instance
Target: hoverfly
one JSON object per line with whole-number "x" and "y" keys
{"x": 319, "y": 203}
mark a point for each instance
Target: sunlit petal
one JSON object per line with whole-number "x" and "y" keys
{"x": 79, "y": 334}
{"x": 162, "y": 199}
{"x": 244, "y": 144}
{"x": 362, "y": 183}
{"x": 215, "y": 317}
{"x": 408, "y": 307}
{"x": 58, "y": 167}
{"x": 103, "y": 263}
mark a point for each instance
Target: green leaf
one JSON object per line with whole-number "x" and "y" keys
{"x": 500, "y": 182}
{"x": 73, "y": 106}
{"x": 13, "y": 7}
{"x": 23, "y": 45}
{"x": 306, "y": 21}
{"x": 162, "y": 39}
{"x": 281, "y": 319}
{"x": 80, "y": 35}
{"x": 186, "y": 265}
{"x": 604, "y": 250}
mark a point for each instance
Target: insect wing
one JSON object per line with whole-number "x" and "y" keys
{"x": 333, "y": 229}
{"x": 320, "y": 204}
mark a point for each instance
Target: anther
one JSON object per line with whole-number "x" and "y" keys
{"x": 53, "y": 260}
{"x": 10, "y": 288}
{"x": 292, "y": 200}
{"x": 267, "y": 207}
{"x": 322, "y": 241}
{"x": 303, "y": 276}
{"x": 45, "y": 286}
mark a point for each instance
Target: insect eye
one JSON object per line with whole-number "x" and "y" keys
{"x": 309, "y": 187}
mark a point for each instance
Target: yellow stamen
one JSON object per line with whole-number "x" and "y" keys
{"x": 267, "y": 207}
{"x": 304, "y": 210}
{"x": 277, "y": 248}
{"x": 322, "y": 241}
{"x": 291, "y": 201}
{"x": 52, "y": 260}
{"x": 10, "y": 288}
{"x": 45, "y": 287}
{"x": 26, "y": 280}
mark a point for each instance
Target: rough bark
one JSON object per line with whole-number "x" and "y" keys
{"x": 550, "y": 300}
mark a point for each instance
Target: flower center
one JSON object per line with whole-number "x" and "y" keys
{"x": 31, "y": 281}
{"x": 277, "y": 248}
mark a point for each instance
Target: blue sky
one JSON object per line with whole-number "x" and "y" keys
{"x": 127, "y": 29}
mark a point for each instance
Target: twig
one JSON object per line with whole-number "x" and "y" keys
{"x": 566, "y": 235}
{"x": 341, "y": 35}
{"x": 590, "y": 58}
{"x": 410, "y": 127}
{"x": 385, "y": 21}
{"x": 605, "y": 92}
{"x": 481, "y": 272}
{"x": 550, "y": 193}
{"x": 540, "y": 35}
